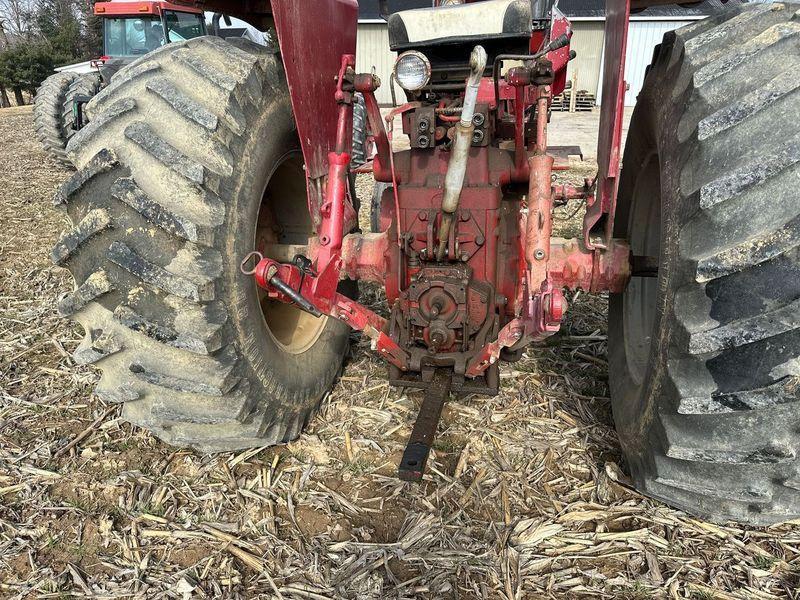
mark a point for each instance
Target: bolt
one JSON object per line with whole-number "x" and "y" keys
{"x": 479, "y": 119}
{"x": 477, "y": 137}
{"x": 423, "y": 141}
{"x": 464, "y": 256}
{"x": 423, "y": 125}
{"x": 423, "y": 216}
{"x": 539, "y": 254}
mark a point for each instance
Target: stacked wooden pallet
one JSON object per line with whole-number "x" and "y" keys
{"x": 584, "y": 101}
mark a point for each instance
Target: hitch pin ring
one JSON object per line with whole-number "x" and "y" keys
{"x": 242, "y": 265}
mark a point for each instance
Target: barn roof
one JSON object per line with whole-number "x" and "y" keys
{"x": 368, "y": 9}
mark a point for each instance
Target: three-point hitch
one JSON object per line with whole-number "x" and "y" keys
{"x": 469, "y": 274}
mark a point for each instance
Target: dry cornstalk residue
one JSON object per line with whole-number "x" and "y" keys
{"x": 524, "y": 497}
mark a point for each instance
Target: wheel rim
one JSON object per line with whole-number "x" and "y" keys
{"x": 640, "y": 298}
{"x": 283, "y": 229}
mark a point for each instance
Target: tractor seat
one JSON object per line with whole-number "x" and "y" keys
{"x": 461, "y": 23}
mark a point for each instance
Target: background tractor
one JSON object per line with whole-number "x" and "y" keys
{"x": 130, "y": 30}
{"x": 215, "y": 245}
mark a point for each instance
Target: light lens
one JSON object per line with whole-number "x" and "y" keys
{"x": 412, "y": 70}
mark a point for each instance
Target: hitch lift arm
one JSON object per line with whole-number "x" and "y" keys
{"x": 315, "y": 291}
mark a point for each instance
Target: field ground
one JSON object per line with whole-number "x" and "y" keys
{"x": 526, "y": 496}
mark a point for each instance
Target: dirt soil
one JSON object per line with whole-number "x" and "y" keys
{"x": 526, "y": 496}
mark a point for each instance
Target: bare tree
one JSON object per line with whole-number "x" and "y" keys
{"x": 4, "y": 43}
{"x": 17, "y": 19}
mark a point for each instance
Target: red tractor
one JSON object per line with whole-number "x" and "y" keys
{"x": 130, "y": 30}
{"x": 215, "y": 246}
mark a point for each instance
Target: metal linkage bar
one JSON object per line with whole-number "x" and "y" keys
{"x": 412, "y": 466}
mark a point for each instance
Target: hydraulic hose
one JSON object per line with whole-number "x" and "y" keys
{"x": 462, "y": 141}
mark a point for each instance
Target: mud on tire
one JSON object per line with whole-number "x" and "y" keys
{"x": 705, "y": 360}
{"x": 189, "y": 161}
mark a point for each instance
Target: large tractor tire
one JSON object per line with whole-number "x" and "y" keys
{"x": 189, "y": 162}
{"x": 86, "y": 85}
{"x": 705, "y": 359}
{"x": 48, "y": 115}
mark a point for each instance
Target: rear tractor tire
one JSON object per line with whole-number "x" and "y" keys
{"x": 359, "y": 154}
{"x": 376, "y": 204}
{"x": 48, "y": 115}
{"x": 190, "y": 161}
{"x": 86, "y": 85}
{"x": 705, "y": 360}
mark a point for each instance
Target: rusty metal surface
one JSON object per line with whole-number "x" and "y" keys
{"x": 573, "y": 266}
{"x": 493, "y": 281}
{"x": 486, "y": 384}
{"x": 412, "y": 465}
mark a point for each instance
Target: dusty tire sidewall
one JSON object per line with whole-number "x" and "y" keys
{"x": 293, "y": 379}
{"x": 652, "y": 130}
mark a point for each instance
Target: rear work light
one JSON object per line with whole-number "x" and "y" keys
{"x": 412, "y": 70}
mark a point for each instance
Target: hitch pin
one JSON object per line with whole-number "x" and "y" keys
{"x": 243, "y": 265}
{"x": 279, "y": 284}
